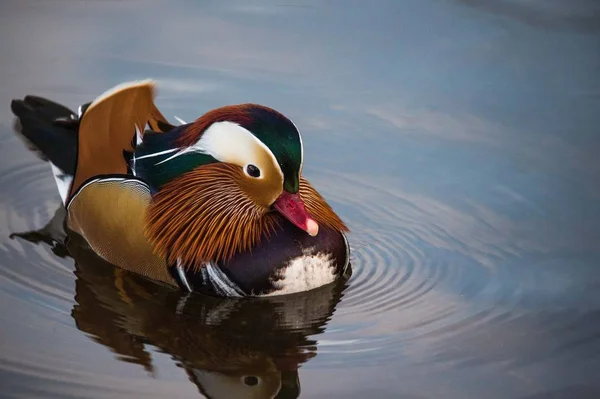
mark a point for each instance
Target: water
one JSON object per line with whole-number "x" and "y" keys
{"x": 458, "y": 139}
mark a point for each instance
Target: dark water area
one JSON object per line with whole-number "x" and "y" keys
{"x": 459, "y": 140}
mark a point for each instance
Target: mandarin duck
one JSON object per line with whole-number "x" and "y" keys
{"x": 218, "y": 205}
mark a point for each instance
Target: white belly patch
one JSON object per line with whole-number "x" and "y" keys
{"x": 305, "y": 273}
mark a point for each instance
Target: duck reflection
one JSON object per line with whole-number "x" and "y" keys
{"x": 229, "y": 348}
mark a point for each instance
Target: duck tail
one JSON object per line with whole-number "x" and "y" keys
{"x": 50, "y": 130}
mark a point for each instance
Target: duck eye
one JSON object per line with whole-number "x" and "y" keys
{"x": 252, "y": 171}
{"x": 251, "y": 380}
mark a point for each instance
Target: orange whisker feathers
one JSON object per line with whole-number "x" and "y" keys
{"x": 205, "y": 216}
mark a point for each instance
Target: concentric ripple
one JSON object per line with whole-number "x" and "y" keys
{"x": 430, "y": 283}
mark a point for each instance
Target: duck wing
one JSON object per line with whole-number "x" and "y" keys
{"x": 108, "y": 130}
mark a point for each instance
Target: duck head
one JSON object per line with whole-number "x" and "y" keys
{"x": 223, "y": 182}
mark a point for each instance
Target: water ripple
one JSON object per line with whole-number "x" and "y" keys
{"x": 429, "y": 286}
{"x": 424, "y": 288}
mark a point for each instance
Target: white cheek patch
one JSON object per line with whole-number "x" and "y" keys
{"x": 231, "y": 143}
{"x": 304, "y": 273}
